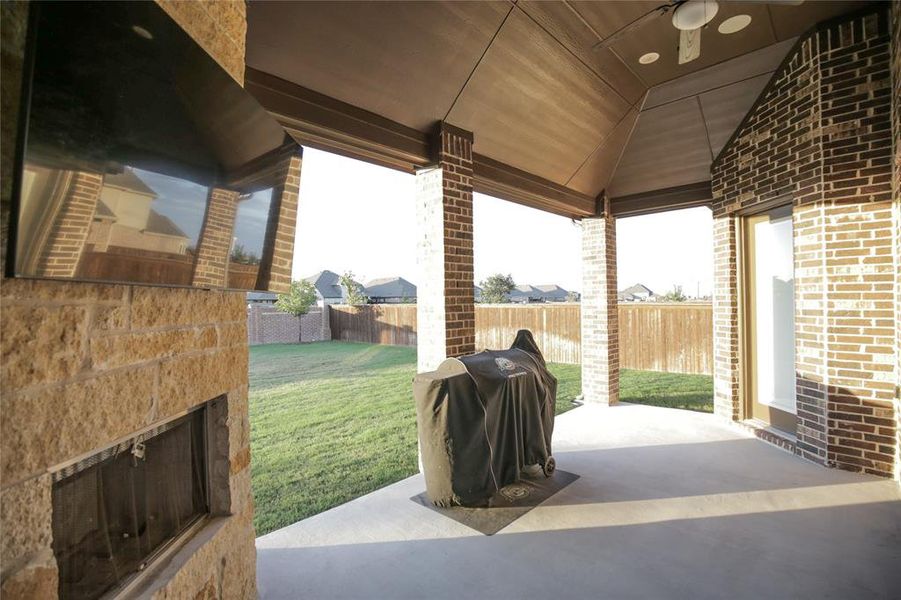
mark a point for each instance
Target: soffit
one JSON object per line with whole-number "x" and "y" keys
{"x": 525, "y": 79}
{"x": 406, "y": 61}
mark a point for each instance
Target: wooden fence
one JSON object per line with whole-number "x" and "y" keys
{"x": 392, "y": 324}
{"x": 676, "y": 338}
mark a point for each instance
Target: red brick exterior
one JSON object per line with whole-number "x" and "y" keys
{"x": 600, "y": 316}
{"x": 445, "y": 302}
{"x": 275, "y": 274}
{"x": 896, "y": 185}
{"x": 820, "y": 137}
{"x": 66, "y": 240}
{"x": 211, "y": 262}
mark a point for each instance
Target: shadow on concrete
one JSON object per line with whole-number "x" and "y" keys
{"x": 844, "y": 551}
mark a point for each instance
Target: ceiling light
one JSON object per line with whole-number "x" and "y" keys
{"x": 648, "y": 58}
{"x": 142, "y": 32}
{"x": 694, "y": 14}
{"x": 734, "y": 24}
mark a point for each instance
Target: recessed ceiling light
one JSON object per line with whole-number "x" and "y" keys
{"x": 733, "y": 24}
{"x": 142, "y": 32}
{"x": 648, "y": 58}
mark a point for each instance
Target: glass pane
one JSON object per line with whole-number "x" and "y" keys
{"x": 249, "y": 237}
{"x": 775, "y": 313}
{"x": 132, "y": 140}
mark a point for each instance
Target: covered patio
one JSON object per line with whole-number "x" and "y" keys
{"x": 670, "y": 504}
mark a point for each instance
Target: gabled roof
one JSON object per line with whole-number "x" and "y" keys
{"x": 157, "y": 223}
{"x": 543, "y": 100}
{"x": 552, "y": 292}
{"x": 327, "y": 284}
{"x": 390, "y": 287}
{"x": 637, "y": 289}
{"x": 128, "y": 180}
{"x": 104, "y": 212}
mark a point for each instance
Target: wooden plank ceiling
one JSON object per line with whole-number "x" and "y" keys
{"x": 548, "y": 112}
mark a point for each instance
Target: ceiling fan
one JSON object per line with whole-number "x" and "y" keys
{"x": 688, "y": 16}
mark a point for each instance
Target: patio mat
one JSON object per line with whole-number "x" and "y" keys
{"x": 509, "y": 504}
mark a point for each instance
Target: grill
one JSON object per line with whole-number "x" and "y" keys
{"x": 485, "y": 421}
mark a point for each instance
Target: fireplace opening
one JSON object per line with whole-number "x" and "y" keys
{"x": 116, "y": 511}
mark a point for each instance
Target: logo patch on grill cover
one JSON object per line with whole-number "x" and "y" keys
{"x": 505, "y": 364}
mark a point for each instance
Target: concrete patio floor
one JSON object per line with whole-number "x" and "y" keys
{"x": 670, "y": 504}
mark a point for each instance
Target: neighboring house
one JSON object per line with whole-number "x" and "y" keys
{"x": 261, "y": 298}
{"x": 552, "y": 293}
{"x": 636, "y": 293}
{"x": 477, "y": 293}
{"x": 328, "y": 287}
{"x": 124, "y": 218}
{"x": 524, "y": 293}
{"x": 390, "y": 290}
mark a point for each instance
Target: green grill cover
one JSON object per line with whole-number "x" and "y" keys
{"x": 481, "y": 419}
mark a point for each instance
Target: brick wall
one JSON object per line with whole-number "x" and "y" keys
{"x": 66, "y": 238}
{"x": 268, "y": 325}
{"x": 599, "y": 316}
{"x": 275, "y": 274}
{"x": 896, "y": 185}
{"x": 445, "y": 302}
{"x": 215, "y": 241}
{"x": 85, "y": 364}
{"x": 820, "y": 138}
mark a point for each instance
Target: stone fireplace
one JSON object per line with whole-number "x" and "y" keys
{"x": 86, "y": 367}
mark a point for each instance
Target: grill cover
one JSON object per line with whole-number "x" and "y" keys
{"x": 481, "y": 419}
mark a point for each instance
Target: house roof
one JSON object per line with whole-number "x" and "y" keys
{"x": 528, "y": 79}
{"x": 128, "y": 180}
{"x": 261, "y": 297}
{"x": 157, "y": 223}
{"x": 327, "y": 284}
{"x": 638, "y": 288}
{"x": 390, "y": 287}
{"x": 552, "y": 292}
{"x": 104, "y": 212}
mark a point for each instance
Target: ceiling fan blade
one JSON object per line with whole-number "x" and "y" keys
{"x": 636, "y": 24}
{"x": 689, "y": 45}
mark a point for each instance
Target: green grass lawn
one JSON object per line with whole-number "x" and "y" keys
{"x": 331, "y": 421}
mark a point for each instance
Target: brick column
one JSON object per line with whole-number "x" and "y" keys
{"x": 65, "y": 242}
{"x": 726, "y": 374}
{"x": 600, "y": 319}
{"x": 278, "y": 246}
{"x": 211, "y": 262}
{"x": 445, "y": 306}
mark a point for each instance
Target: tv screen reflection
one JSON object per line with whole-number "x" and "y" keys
{"x": 144, "y": 161}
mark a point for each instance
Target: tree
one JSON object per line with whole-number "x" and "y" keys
{"x": 572, "y": 297}
{"x": 353, "y": 291}
{"x": 496, "y": 288}
{"x": 675, "y": 295}
{"x": 300, "y": 297}
{"x": 240, "y": 255}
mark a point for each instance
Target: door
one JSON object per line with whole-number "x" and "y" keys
{"x": 770, "y": 318}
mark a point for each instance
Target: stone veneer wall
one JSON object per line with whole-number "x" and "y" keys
{"x": 85, "y": 364}
{"x": 820, "y": 137}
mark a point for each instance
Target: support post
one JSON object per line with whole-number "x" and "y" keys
{"x": 445, "y": 306}
{"x": 600, "y": 320}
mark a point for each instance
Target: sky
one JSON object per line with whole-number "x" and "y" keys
{"x": 354, "y": 216}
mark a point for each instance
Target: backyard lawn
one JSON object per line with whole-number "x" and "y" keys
{"x": 331, "y": 421}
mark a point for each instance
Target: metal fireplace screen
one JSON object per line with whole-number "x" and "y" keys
{"x": 115, "y": 511}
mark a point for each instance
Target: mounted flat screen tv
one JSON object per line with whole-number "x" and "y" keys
{"x": 141, "y": 160}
